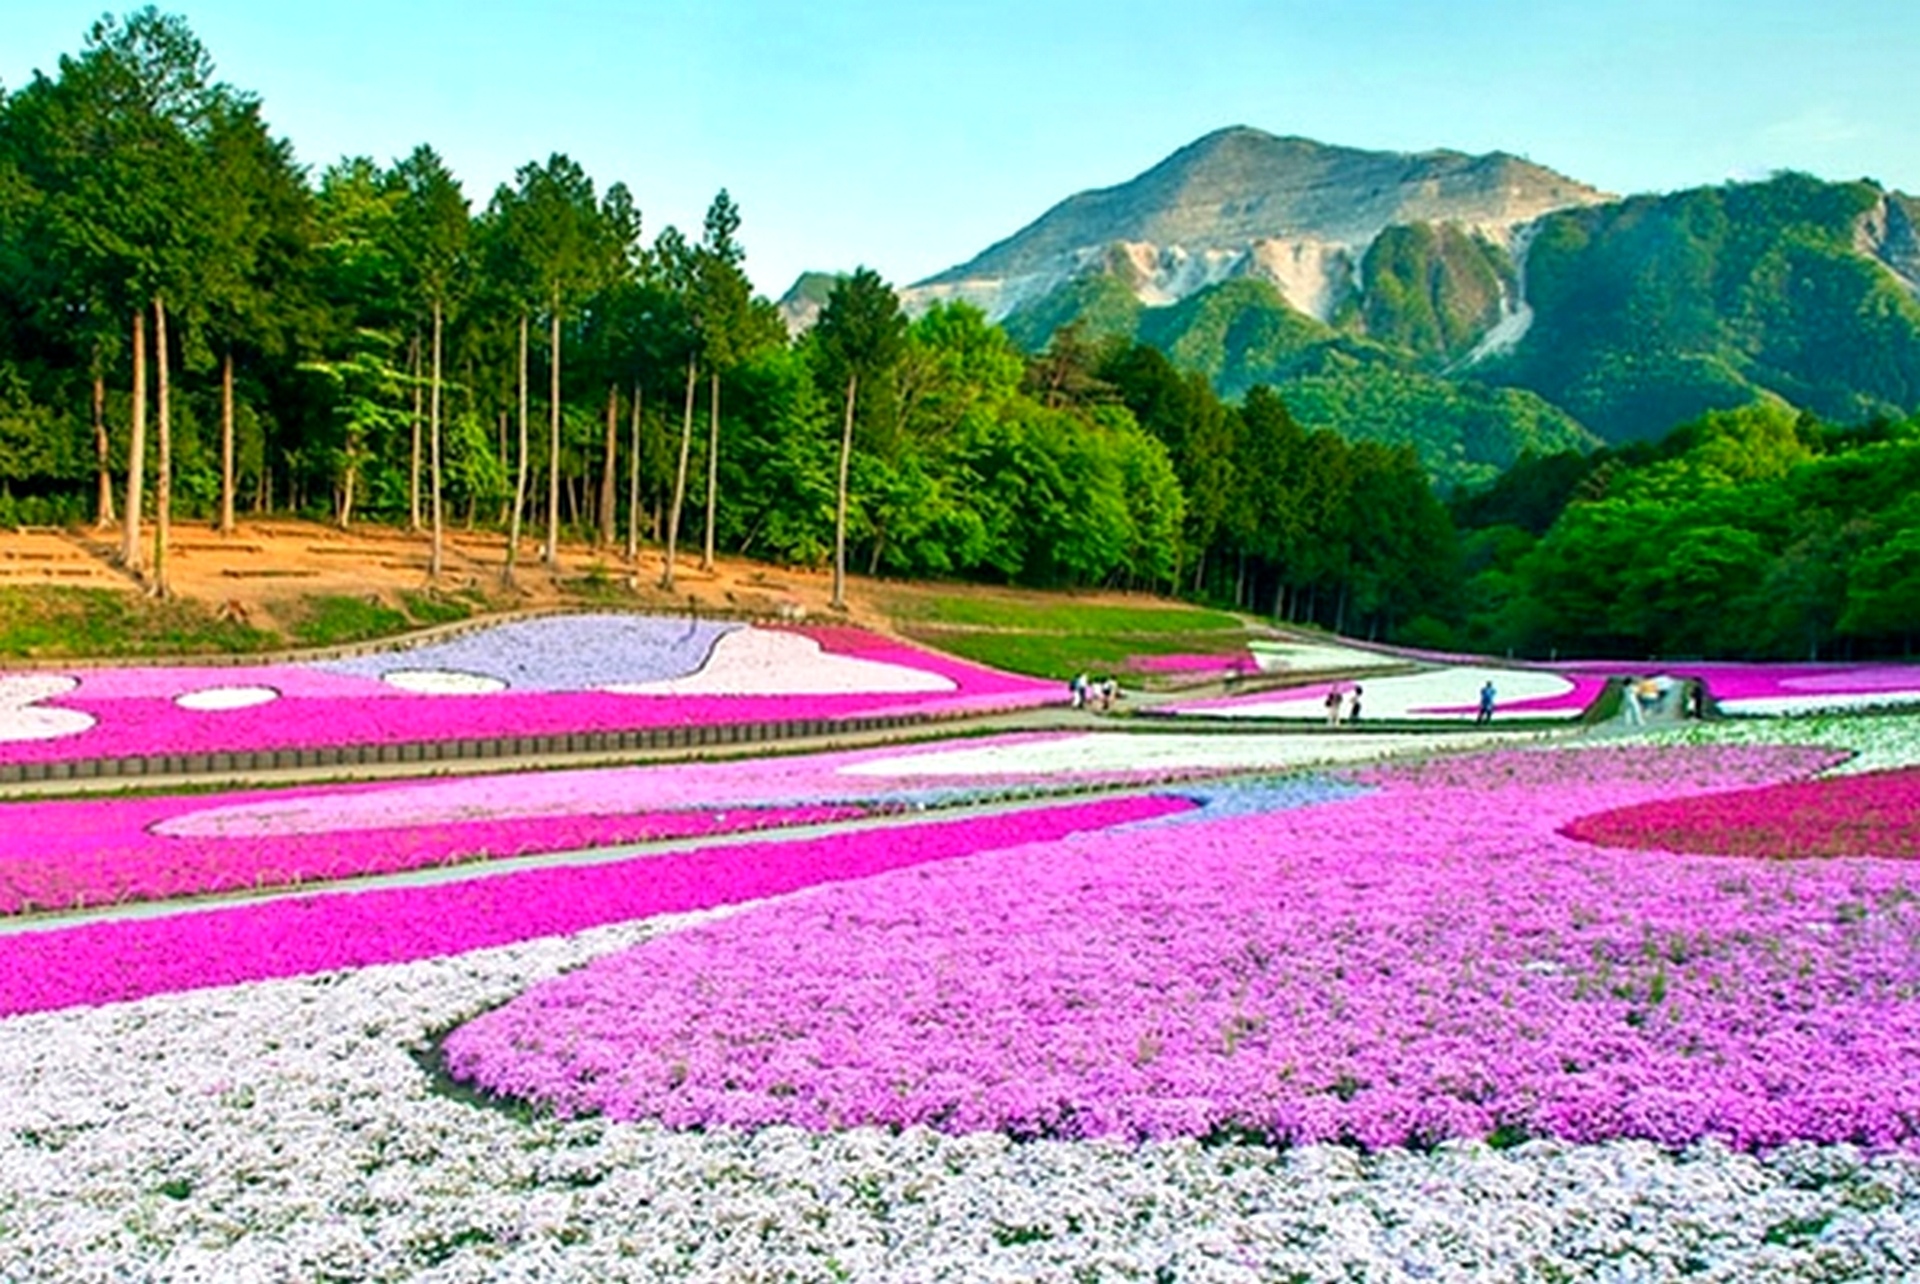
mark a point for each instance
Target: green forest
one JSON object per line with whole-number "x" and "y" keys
{"x": 194, "y": 328}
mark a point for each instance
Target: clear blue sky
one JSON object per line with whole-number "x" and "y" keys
{"x": 909, "y": 136}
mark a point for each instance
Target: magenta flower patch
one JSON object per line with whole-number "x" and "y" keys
{"x": 74, "y": 853}
{"x": 1877, "y": 814}
{"x": 130, "y": 958}
{"x": 1426, "y": 961}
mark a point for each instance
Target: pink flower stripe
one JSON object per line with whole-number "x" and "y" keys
{"x": 302, "y": 681}
{"x": 1876, "y": 814}
{"x": 1430, "y": 960}
{"x": 140, "y": 725}
{"x": 195, "y": 949}
{"x": 82, "y": 862}
{"x": 1728, "y": 681}
{"x": 69, "y": 854}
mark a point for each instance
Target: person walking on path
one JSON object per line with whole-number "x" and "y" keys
{"x": 1487, "y": 697}
{"x": 1333, "y": 706}
{"x": 1353, "y": 704}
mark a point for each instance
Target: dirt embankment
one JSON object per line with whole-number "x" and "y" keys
{"x": 267, "y": 571}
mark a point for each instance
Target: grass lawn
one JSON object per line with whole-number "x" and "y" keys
{"x": 1059, "y": 636}
{"x": 58, "y": 623}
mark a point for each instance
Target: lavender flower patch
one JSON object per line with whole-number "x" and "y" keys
{"x": 558, "y": 653}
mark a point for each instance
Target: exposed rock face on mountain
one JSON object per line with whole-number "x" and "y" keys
{"x": 1240, "y": 202}
{"x": 1890, "y": 232}
{"x": 800, "y": 305}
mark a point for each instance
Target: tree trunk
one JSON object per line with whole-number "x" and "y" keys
{"x": 163, "y": 462}
{"x": 103, "y": 453}
{"x": 839, "y": 602}
{"x": 433, "y": 451}
{"x": 680, "y": 477}
{"x": 520, "y": 481}
{"x": 552, "y": 552}
{"x": 633, "y": 482}
{"x": 226, "y": 443}
{"x": 610, "y": 470}
{"x": 413, "y": 463}
{"x": 713, "y": 465}
{"x": 130, "y": 551}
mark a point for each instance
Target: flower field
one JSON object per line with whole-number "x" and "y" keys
{"x": 1449, "y": 691}
{"x": 107, "y": 961}
{"x": 528, "y": 678}
{"x": 1451, "y": 694}
{"x": 70, "y": 854}
{"x": 1247, "y": 976}
{"x": 1856, "y": 815}
{"x": 1245, "y": 1006}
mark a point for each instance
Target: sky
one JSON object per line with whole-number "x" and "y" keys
{"x": 909, "y": 136}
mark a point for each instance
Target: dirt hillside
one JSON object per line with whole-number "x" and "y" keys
{"x": 265, "y": 569}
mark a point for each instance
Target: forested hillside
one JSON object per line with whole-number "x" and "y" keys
{"x": 1650, "y": 311}
{"x": 1758, "y": 532}
{"x": 194, "y": 328}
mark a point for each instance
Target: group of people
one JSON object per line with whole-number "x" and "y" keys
{"x": 1093, "y": 693}
{"x": 1343, "y": 707}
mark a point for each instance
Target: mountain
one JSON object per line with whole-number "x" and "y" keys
{"x": 1240, "y": 202}
{"x": 1475, "y": 306}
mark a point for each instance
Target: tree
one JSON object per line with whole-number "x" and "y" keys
{"x": 249, "y": 289}
{"x": 676, "y": 265}
{"x": 861, "y": 332}
{"x": 433, "y": 224}
{"x": 557, "y": 245}
{"x": 129, "y": 202}
{"x": 722, "y": 308}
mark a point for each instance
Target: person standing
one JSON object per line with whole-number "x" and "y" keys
{"x": 1333, "y": 706}
{"x": 1353, "y": 704}
{"x": 1487, "y": 697}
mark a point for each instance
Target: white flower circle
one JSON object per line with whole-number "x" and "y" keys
{"x": 754, "y": 662}
{"x": 210, "y": 699}
{"x": 442, "y": 682}
{"x": 22, "y": 717}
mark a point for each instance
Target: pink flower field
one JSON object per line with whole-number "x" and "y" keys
{"x": 1431, "y": 959}
{"x": 69, "y": 854}
{"x": 123, "y": 959}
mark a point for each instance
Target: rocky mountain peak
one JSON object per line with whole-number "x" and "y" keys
{"x": 1241, "y": 201}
